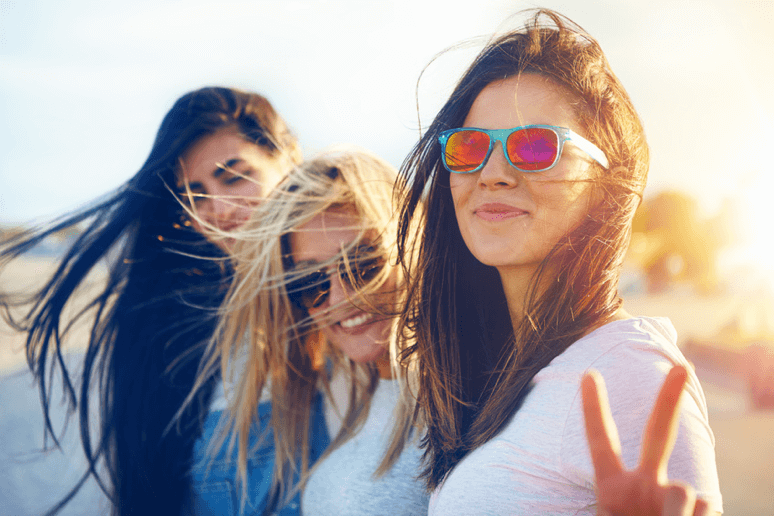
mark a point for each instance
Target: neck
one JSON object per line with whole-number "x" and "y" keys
{"x": 384, "y": 367}
{"x": 516, "y": 282}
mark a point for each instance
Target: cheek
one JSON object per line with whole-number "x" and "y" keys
{"x": 564, "y": 205}
{"x": 387, "y": 296}
{"x": 249, "y": 193}
{"x": 318, "y": 317}
{"x": 461, "y": 186}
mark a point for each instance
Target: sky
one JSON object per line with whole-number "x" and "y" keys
{"x": 84, "y": 84}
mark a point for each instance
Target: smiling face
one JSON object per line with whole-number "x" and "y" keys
{"x": 511, "y": 219}
{"x": 344, "y": 317}
{"x": 227, "y": 176}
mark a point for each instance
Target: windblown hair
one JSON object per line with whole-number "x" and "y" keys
{"x": 474, "y": 367}
{"x": 151, "y": 321}
{"x": 261, "y": 327}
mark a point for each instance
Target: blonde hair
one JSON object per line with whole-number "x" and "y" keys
{"x": 261, "y": 325}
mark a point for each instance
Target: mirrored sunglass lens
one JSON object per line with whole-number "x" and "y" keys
{"x": 311, "y": 290}
{"x": 315, "y": 297}
{"x": 533, "y": 148}
{"x": 363, "y": 271}
{"x": 466, "y": 150}
{"x": 368, "y": 269}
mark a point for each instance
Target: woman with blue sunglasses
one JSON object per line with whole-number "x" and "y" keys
{"x": 524, "y": 188}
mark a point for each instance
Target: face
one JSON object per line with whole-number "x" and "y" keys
{"x": 227, "y": 176}
{"x": 344, "y": 317}
{"x": 511, "y": 219}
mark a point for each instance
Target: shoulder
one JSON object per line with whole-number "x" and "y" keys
{"x": 634, "y": 356}
{"x": 633, "y": 336}
{"x": 638, "y": 350}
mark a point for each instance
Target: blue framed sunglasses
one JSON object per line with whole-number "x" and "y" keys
{"x": 529, "y": 148}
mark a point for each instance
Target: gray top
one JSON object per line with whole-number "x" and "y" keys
{"x": 343, "y": 483}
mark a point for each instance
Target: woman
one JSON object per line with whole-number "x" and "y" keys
{"x": 314, "y": 270}
{"x": 525, "y": 186}
{"x": 217, "y": 152}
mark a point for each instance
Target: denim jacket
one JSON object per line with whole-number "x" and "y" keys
{"x": 215, "y": 491}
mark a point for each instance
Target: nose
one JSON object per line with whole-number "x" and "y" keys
{"x": 338, "y": 293}
{"x": 497, "y": 172}
{"x": 218, "y": 210}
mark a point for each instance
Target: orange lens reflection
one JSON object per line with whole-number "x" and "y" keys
{"x": 466, "y": 150}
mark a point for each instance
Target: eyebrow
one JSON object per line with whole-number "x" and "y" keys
{"x": 197, "y": 185}
{"x": 222, "y": 167}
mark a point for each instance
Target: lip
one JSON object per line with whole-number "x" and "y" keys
{"x": 496, "y": 211}
{"x": 355, "y": 330}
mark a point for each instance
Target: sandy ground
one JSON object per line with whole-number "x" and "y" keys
{"x": 744, "y": 437}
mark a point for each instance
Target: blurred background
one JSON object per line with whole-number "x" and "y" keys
{"x": 84, "y": 84}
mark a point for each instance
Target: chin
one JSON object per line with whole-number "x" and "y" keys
{"x": 370, "y": 357}
{"x": 492, "y": 256}
{"x": 363, "y": 351}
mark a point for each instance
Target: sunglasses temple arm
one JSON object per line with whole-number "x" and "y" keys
{"x": 589, "y": 148}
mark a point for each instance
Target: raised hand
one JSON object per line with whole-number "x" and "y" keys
{"x": 645, "y": 490}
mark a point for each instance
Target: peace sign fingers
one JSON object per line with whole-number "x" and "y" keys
{"x": 645, "y": 490}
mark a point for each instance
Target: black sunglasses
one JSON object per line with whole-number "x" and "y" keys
{"x": 311, "y": 290}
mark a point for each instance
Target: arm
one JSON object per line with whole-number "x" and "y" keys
{"x": 645, "y": 490}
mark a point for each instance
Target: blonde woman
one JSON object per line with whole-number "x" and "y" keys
{"x": 315, "y": 275}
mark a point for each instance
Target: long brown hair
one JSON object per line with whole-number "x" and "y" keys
{"x": 149, "y": 320}
{"x": 473, "y": 366}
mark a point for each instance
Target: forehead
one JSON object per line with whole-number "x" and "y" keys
{"x": 200, "y": 161}
{"x": 523, "y": 99}
{"x": 324, "y": 236}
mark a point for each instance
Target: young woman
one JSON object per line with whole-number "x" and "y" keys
{"x": 217, "y": 152}
{"x": 525, "y": 186}
{"x": 314, "y": 270}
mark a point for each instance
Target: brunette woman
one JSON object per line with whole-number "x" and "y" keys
{"x": 217, "y": 152}
{"x": 524, "y": 188}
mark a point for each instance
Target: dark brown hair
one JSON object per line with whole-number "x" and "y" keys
{"x": 473, "y": 366}
{"x": 149, "y": 323}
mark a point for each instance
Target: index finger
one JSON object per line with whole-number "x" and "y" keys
{"x": 601, "y": 432}
{"x": 661, "y": 430}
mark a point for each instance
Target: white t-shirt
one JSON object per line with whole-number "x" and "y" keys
{"x": 343, "y": 483}
{"x": 540, "y": 463}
